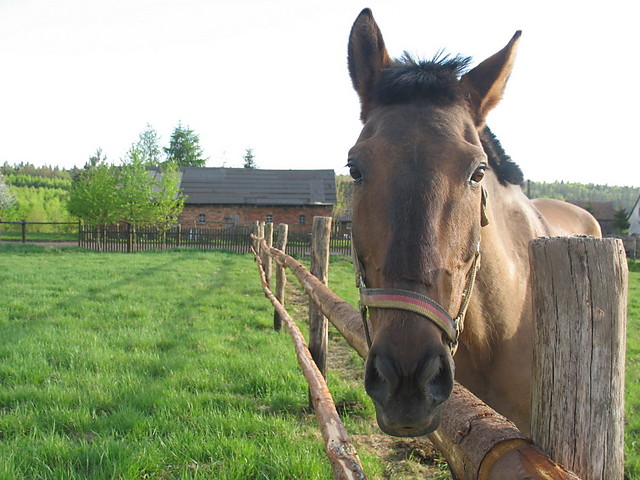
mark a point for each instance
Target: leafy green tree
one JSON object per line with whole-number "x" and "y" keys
{"x": 167, "y": 198}
{"x": 249, "y": 159}
{"x": 95, "y": 194}
{"x": 621, "y": 220}
{"x": 7, "y": 198}
{"x": 147, "y": 149}
{"x": 103, "y": 194}
{"x": 184, "y": 148}
{"x": 135, "y": 183}
{"x": 344, "y": 193}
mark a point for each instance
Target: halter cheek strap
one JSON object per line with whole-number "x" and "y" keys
{"x": 416, "y": 302}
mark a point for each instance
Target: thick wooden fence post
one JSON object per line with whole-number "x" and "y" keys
{"x": 318, "y": 324}
{"x": 580, "y": 301}
{"x": 280, "y": 242}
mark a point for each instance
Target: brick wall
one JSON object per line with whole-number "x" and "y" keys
{"x": 217, "y": 215}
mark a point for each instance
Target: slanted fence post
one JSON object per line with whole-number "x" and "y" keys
{"x": 318, "y": 324}
{"x": 580, "y": 301}
{"x": 266, "y": 258}
{"x": 255, "y": 229}
{"x": 280, "y": 242}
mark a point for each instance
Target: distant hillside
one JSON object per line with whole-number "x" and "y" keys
{"x": 583, "y": 194}
{"x": 41, "y": 193}
{"x": 621, "y": 197}
{"x": 21, "y": 180}
{"x": 45, "y": 171}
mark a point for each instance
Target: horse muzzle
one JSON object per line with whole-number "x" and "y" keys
{"x": 408, "y": 402}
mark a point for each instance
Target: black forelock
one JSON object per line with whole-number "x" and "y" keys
{"x": 409, "y": 79}
{"x": 505, "y": 169}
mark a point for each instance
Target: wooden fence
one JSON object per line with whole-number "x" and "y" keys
{"x": 39, "y": 231}
{"x": 116, "y": 238}
{"x": 477, "y": 442}
{"x": 127, "y": 239}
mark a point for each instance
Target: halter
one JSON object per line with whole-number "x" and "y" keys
{"x": 416, "y": 302}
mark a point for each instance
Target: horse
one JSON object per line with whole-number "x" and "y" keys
{"x": 440, "y": 232}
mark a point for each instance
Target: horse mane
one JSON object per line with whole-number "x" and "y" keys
{"x": 437, "y": 80}
{"x": 409, "y": 78}
{"x": 507, "y": 171}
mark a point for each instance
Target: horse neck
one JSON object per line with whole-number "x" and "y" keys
{"x": 500, "y": 302}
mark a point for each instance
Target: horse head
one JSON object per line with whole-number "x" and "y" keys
{"x": 419, "y": 171}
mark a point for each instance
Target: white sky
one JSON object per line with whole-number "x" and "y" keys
{"x": 76, "y": 75}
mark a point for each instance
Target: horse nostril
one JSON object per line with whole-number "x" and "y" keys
{"x": 436, "y": 378}
{"x": 381, "y": 376}
{"x": 428, "y": 369}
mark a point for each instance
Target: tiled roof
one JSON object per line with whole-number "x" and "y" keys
{"x": 252, "y": 186}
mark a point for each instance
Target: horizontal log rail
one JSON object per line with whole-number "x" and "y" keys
{"x": 342, "y": 455}
{"x": 478, "y": 442}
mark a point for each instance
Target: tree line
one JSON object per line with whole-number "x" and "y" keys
{"x": 143, "y": 189}
{"x": 585, "y": 195}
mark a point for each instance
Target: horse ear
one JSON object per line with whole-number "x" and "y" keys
{"x": 367, "y": 57}
{"x": 486, "y": 82}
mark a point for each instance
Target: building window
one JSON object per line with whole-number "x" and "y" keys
{"x": 269, "y": 218}
{"x": 201, "y": 218}
{"x": 302, "y": 219}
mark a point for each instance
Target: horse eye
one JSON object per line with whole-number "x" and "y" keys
{"x": 478, "y": 175}
{"x": 354, "y": 172}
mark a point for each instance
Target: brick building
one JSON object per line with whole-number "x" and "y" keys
{"x": 217, "y": 197}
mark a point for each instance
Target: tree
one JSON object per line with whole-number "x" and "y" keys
{"x": 167, "y": 198}
{"x": 151, "y": 196}
{"x": 7, "y": 198}
{"x": 95, "y": 194}
{"x": 136, "y": 182}
{"x": 147, "y": 149}
{"x": 621, "y": 220}
{"x": 184, "y": 148}
{"x": 344, "y": 194}
{"x": 103, "y": 194}
{"x": 249, "y": 159}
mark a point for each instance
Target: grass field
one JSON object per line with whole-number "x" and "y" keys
{"x": 165, "y": 366}
{"x": 632, "y": 394}
{"x": 156, "y": 365}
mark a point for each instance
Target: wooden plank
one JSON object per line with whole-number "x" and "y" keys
{"x": 580, "y": 299}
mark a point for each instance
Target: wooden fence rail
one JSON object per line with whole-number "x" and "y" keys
{"x": 62, "y": 227}
{"x": 477, "y": 442}
{"x": 343, "y": 457}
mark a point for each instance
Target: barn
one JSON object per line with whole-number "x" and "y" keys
{"x": 216, "y": 197}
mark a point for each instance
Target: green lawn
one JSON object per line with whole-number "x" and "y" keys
{"x": 154, "y": 365}
{"x": 632, "y": 395}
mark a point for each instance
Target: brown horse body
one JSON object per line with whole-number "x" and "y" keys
{"x": 419, "y": 167}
